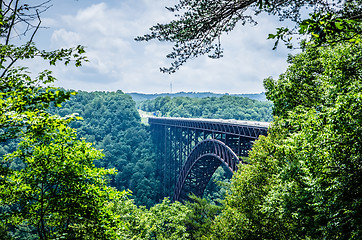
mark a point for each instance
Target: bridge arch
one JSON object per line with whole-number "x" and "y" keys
{"x": 201, "y": 164}
{"x": 176, "y": 138}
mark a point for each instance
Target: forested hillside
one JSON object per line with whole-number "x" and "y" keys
{"x": 112, "y": 123}
{"x": 226, "y": 107}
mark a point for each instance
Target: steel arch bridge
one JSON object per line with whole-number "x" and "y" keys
{"x": 191, "y": 149}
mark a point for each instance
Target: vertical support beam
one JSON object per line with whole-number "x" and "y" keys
{"x": 165, "y": 161}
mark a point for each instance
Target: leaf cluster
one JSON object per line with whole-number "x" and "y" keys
{"x": 328, "y": 28}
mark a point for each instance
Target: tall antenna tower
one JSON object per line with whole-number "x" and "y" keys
{"x": 170, "y": 86}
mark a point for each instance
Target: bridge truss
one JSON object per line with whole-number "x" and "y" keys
{"x": 190, "y": 150}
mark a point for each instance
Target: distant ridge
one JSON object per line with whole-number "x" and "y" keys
{"x": 139, "y": 97}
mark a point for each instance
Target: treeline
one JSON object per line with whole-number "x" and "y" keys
{"x": 140, "y": 97}
{"x": 111, "y": 122}
{"x": 226, "y": 107}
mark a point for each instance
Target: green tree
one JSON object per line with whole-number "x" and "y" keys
{"x": 304, "y": 180}
{"x": 59, "y": 193}
{"x": 20, "y": 95}
{"x": 201, "y": 217}
{"x": 167, "y": 221}
{"x": 134, "y": 218}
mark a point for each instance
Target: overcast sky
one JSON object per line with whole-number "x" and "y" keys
{"x": 116, "y": 62}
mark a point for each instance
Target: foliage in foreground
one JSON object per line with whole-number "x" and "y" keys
{"x": 49, "y": 187}
{"x": 305, "y": 177}
{"x": 166, "y": 220}
{"x": 59, "y": 192}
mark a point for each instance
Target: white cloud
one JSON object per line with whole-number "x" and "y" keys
{"x": 118, "y": 62}
{"x": 65, "y": 39}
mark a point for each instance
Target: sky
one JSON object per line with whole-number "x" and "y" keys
{"x": 116, "y": 62}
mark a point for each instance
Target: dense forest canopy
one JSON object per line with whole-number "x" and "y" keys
{"x": 111, "y": 122}
{"x": 225, "y": 107}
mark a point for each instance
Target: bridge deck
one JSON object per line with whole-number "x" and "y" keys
{"x": 249, "y": 129}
